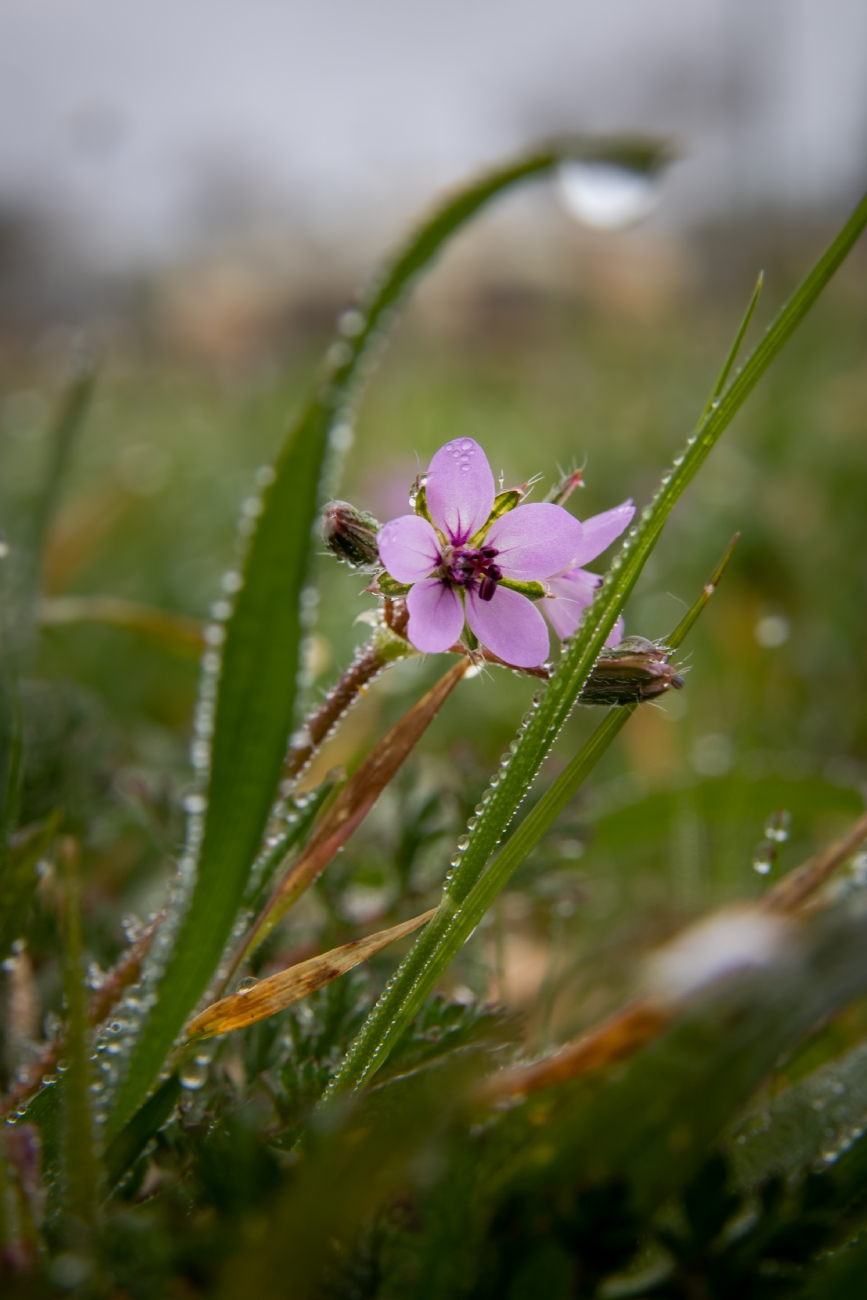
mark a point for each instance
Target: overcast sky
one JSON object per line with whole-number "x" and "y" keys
{"x": 126, "y": 111}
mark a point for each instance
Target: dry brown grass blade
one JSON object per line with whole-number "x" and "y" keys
{"x": 793, "y": 890}
{"x": 618, "y": 1037}
{"x": 352, "y": 805}
{"x": 278, "y": 991}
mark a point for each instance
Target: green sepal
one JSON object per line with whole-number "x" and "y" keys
{"x": 503, "y": 503}
{"x": 419, "y": 504}
{"x": 391, "y": 645}
{"x": 386, "y": 585}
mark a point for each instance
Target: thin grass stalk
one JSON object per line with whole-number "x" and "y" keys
{"x": 80, "y": 1168}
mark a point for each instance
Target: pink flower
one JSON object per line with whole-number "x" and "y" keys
{"x": 461, "y": 564}
{"x": 574, "y": 588}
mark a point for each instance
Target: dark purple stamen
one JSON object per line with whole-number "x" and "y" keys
{"x": 468, "y": 567}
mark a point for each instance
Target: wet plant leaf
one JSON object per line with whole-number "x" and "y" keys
{"x": 819, "y": 1114}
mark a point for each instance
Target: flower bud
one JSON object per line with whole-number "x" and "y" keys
{"x": 350, "y": 534}
{"x": 562, "y": 491}
{"x": 634, "y": 670}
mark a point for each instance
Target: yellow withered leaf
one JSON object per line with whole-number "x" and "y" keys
{"x": 291, "y": 985}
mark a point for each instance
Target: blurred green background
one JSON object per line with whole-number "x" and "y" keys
{"x": 609, "y": 370}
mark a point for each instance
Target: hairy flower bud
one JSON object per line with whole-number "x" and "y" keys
{"x": 628, "y": 673}
{"x": 562, "y": 491}
{"x": 350, "y": 534}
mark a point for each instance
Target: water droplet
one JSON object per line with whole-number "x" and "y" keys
{"x": 232, "y": 582}
{"x": 351, "y": 323}
{"x": 463, "y": 842}
{"x": 244, "y": 985}
{"x": 778, "y": 826}
{"x": 215, "y": 634}
{"x": 606, "y": 196}
{"x": 194, "y": 1076}
{"x": 764, "y": 857}
{"x": 195, "y": 803}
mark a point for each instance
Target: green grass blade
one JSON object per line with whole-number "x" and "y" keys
{"x": 129, "y": 1143}
{"x": 424, "y": 964}
{"x": 719, "y": 386}
{"x": 10, "y": 731}
{"x": 67, "y": 426}
{"x": 257, "y": 690}
{"x": 19, "y": 594}
{"x": 79, "y": 1165}
{"x": 18, "y": 878}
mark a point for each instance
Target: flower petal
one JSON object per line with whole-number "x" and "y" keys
{"x": 535, "y": 541}
{"x": 572, "y": 592}
{"x": 459, "y": 489}
{"x": 616, "y": 633}
{"x": 600, "y": 531}
{"x": 409, "y": 548}
{"x": 510, "y": 625}
{"x": 436, "y": 616}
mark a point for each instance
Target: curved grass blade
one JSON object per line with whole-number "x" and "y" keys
{"x": 291, "y": 985}
{"x": 427, "y": 960}
{"x": 257, "y": 690}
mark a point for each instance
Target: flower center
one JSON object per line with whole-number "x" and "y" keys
{"x": 464, "y": 568}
